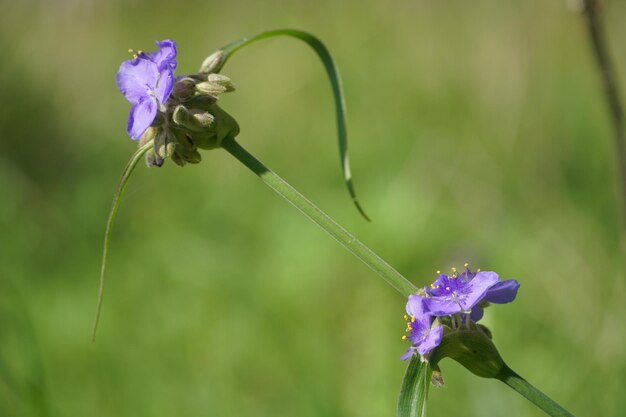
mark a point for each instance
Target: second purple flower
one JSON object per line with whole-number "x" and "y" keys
{"x": 450, "y": 302}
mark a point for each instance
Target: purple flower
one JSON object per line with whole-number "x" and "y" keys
{"x": 147, "y": 81}
{"x": 456, "y": 294}
{"x": 422, "y": 335}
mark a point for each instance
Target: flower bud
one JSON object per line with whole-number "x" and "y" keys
{"x": 185, "y": 150}
{"x": 202, "y": 118}
{"x": 178, "y": 160}
{"x": 193, "y": 157}
{"x": 180, "y": 115}
{"x": 436, "y": 379}
{"x": 213, "y": 62}
{"x": 189, "y": 154}
{"x": 473, "y": 349}
{"x": 215, "y": 85}
{"x": 184, "y": 88}
{"x": 210, "y": 88}
{"x": 194, "y": 120}
{"x": 160, "y": 147}
{"x": 201, "y": 101}
{"x": 221, "y": 80}
{"x": 153, "y": 160}
{"x": 167, "y": 150}
{"x": 147, "y": 136}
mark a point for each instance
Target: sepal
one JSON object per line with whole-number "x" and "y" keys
{"x": 471, "y": 347}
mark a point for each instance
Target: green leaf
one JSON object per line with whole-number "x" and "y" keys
{"x": 335, "y": 81}
{"x": 414, "y": 391}
{"x": 117, "y": 199}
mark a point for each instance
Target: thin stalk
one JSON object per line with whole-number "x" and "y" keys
{"x": 525, "y": 388}
{"x": 600, "y": 48}
{"x": 341, "y": 235}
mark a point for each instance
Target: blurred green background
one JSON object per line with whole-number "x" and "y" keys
{"x": 478, "y": 133}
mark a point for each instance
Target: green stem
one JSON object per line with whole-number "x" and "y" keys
{"x": 365, "y": 254}
{"x": 523, "y": 387}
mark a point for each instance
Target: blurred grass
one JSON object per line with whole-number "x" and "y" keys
{"x": 478, "y": 133}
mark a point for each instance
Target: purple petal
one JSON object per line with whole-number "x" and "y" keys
{"x": 441, "y": 307}
{"x": 141, "y": 117}
{"x": 431, "y": 341}
{"x": 477, "y": 313}
{"x": 165, "y": 57}
{"x": 165, "y": 85}
{"x": 409, "y": 352}
{"x": 476, "y": 289}
{"x": 415, "y": 306}
{"x": 135, "y": 78}
{"x": 503, "y": 292}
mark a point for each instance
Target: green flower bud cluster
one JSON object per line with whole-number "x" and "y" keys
{"x": 191, "y": 118}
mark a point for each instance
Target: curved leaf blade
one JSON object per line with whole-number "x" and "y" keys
{"x": 414, "y": 391}
{"x": 335, "y": 80}
{"x": 117, "y": 199}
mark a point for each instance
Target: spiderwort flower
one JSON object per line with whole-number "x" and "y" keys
{"x": 147, "y": 81}
{"x": 179, "y": 115}
{"x": 454, "y": 294}
{"x": 450, "y": 301}
{"x": 424, "y": 333}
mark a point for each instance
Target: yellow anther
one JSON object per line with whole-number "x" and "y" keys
{"x": 478, "y": 270}
{"x": 409, "y": 328}
{"x": 466, "y": 264}
{"x": 403, "y": 337}
{"x": 412, "y": 319}
{"x": 406, "y": 317}
{"x": 433, "y": 286}
{"x": 453, "y": 269}
{"x": 438, "y": 272}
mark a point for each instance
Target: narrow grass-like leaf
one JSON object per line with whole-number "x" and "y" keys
{"x": 117, "y": 199}
{"x": 335, "y": 81}
{"x": 414, "y": 391}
